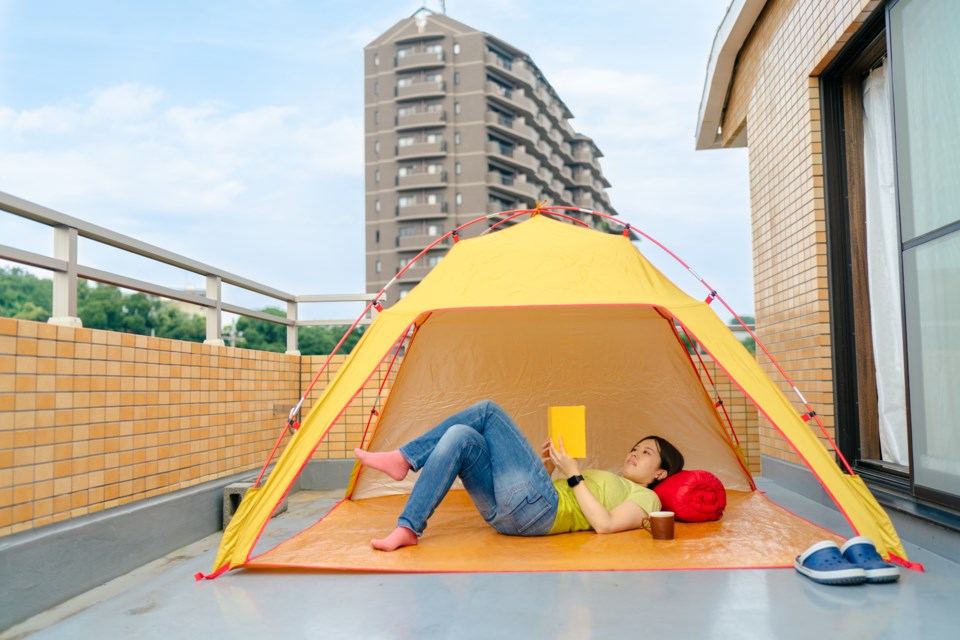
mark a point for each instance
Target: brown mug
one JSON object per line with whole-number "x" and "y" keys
{"x": 661, "y": 525}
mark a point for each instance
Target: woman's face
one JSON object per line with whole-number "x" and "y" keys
{"x": 643, "y": 463}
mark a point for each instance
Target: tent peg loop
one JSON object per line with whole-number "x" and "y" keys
{"x": 710, "y": 298}
{"x": 808, "y": 416}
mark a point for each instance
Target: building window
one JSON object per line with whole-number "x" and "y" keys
{"x": 456, "y": 48}
{"x": 457, "y": 168}
{"x": 407, "y": 231}
{"x": 459, "y": 198}
{"x": 406, "y": 111}
{"x": 376, "y": 88}
{"x": 406, "y": 170}
{"x": 406, "y": 201}
{"x": 406, "y": 141}
{"x": 379, "y": 266}
{"x": 376, "y": 176}
{"x": 376, "y": 59}
{"x": 456, "y": 107}
{"x": 403, "y": 293}
{"x": 376, "y": 146}
{"x": 404, "y": 262}
{"x": 456, "y": 77}
{"x": 376, "y": 117}
{"x": 456, "y": 137}
{"x": 376, "y": 207}
{"x": 433, "y": 261}
{"x": 878, "y": 121}
{"x": 433, "y": 230}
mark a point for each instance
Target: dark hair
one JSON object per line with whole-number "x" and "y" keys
{"x": 671, "y": 460}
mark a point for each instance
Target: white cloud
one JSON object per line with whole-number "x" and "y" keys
{"x": 203, "y": 180}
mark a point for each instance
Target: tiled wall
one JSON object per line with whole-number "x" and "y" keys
{"x": 775, "y": 95}
{"x": 92, "y": 419}
{"x": 741, "y": 415}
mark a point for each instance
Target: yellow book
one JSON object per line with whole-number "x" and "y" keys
{"x": 570, "y": 423}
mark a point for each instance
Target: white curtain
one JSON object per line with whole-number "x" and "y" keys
{"x": 883, "y": 265}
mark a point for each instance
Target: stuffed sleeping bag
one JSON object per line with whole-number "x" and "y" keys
{"x": 693, "y": 496}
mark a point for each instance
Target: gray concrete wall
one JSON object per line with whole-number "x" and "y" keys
{"x": 43, "y": 567}
{"x": 934, "y": 529}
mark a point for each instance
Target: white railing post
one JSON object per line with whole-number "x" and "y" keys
{"x": 293, "y": 348}
{"x": 65, "y": 282}
{"x": 213, "y": 313}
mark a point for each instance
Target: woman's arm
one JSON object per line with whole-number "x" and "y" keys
{"x": 624, "y": 517}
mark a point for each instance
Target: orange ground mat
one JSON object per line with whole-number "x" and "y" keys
{"x": 754, "y": 533}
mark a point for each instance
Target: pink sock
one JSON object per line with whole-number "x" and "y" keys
{"x": 391, "y": 463}
{"x": 400, "y": 537}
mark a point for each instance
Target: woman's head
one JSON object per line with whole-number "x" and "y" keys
{"x": 652, "y": 460}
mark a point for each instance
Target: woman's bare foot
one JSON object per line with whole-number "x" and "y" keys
{"x": 401, "y": 537}
{"x": 391, "y": 463}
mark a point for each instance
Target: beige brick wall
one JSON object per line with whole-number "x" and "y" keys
{"x": 94, "y": 419}
{"x": 775, "y": 95}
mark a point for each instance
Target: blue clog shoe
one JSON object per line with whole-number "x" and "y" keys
{"x": 863, "y": 553}
{"x": 824, "y": 563}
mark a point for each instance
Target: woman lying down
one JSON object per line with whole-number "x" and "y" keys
{"x": 511, "y": 486}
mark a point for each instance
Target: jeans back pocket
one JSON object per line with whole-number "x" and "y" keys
{"x": 526, "y": 507}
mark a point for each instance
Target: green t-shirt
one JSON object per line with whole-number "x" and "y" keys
{"x": 609, "y": 488}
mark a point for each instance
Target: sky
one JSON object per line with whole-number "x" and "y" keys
{"x": 231, "y": 131}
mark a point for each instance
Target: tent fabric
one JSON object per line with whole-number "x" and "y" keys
{"x": 547, "y": 312}
{"x": 754, "y": 533}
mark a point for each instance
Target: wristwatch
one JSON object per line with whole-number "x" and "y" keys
{"x": 573, "y": 481}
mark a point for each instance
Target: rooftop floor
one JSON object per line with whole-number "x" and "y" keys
{"x": 162, "y": 600}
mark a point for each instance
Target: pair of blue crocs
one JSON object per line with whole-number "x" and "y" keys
{"x": 856, "y": 562}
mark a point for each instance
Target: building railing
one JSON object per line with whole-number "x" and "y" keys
{"x": 67, "y": 271}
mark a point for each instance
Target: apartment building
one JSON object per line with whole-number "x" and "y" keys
{"x": 460, "y": 124}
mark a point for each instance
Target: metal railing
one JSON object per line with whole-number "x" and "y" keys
{"x": 67, "y": 271}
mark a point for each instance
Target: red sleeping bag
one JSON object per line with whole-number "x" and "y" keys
{"x": 693, "y": 496}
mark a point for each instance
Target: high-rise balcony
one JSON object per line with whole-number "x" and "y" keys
{"x": 421, "y": 242}
{"x": 423, "y": 179}
{"x": 515, "y": 126}
{"x": 420, "y": 90}
{"x": 513, "y": 184}
{"x": 421, "y": 211}
{"x": 513, "y": 97}
{"x": 583, "y": 179}
{"x": 515, "y": 69}
{"x": 422, "y": 149}
{"x": 420, "y": 60}
{"x": 421, "y": 119}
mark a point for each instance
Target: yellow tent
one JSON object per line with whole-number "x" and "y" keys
{"x": 547, "y": 313}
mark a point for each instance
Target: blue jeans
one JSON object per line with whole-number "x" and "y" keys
{"x": 500, "y": 470}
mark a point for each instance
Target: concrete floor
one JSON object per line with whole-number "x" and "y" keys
{"x": 161, "y": 599}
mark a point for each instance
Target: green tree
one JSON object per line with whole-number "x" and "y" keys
{"x": 749, "y": 342}
{"x": 314, "y": 341}
{"x": 24, "y": 295}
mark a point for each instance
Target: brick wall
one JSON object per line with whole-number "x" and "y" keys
{"x": 775, "y": 96}
{"x": 94, "y": 419}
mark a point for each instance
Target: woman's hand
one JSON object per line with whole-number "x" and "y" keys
{"x": 559, "y": 459}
